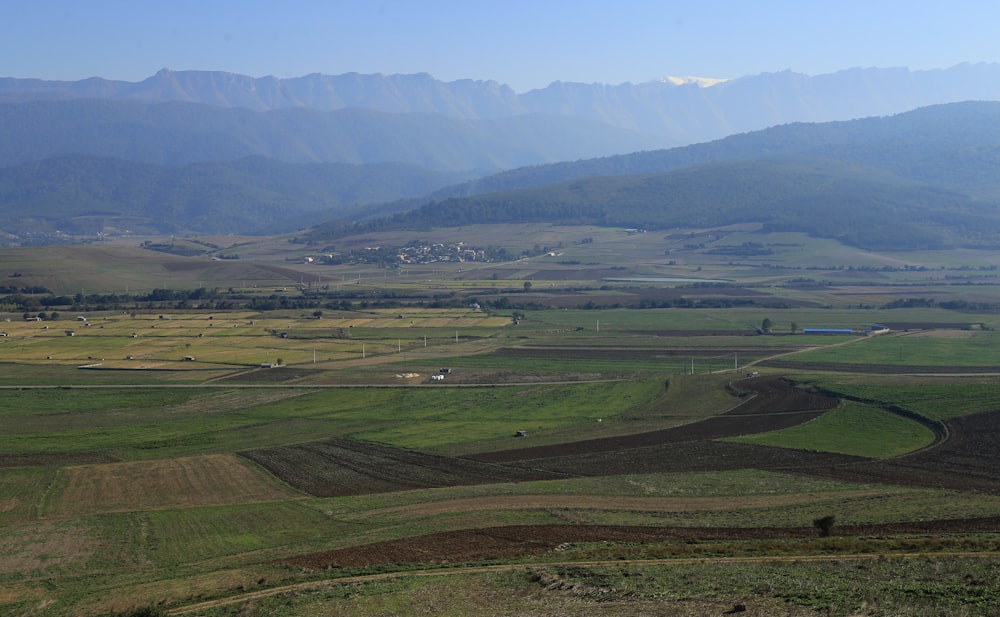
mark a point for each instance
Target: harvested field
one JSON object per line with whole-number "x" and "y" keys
{"x": 193, "y": 481}
{"x": 513, "y": 541}
{"x": 340, "y": 467}
{"x": 38, "y": 546}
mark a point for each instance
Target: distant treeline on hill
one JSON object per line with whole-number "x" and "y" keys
{"x": 323, "y": 298}
{"x": 830, "y": 199}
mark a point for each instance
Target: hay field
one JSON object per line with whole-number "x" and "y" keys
{"x": 171, "y": 483}
{"x": 204, "y": 340}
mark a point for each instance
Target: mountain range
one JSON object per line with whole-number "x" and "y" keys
{"x": 926, "y": 179}
{"x": 207, "y": 152}
{"x": 675, "y": 112}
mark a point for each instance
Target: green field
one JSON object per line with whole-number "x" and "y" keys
{"x": 955, "y": 349}
{"x": 853, "y": 428}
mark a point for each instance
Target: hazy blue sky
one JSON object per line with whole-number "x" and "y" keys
{"x": 523, "y": 43}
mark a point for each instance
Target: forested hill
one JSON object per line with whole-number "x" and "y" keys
{"x": 929, "y": 178}
{"x": 854, "y": 204}
{"x": 87, "y": 195}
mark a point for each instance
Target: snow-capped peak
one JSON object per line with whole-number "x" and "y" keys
{"x": 701, "y": 82}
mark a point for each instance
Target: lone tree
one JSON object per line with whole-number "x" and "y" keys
{"x": 824, "y": 525}
{"x": 765, "y": 326}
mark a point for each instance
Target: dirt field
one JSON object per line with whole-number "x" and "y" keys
{"x": 340, "y": 467}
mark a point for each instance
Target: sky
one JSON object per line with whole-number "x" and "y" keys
{"x": 525, "y": 44}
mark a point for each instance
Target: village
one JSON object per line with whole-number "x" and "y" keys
{"x": 416, "y": 253}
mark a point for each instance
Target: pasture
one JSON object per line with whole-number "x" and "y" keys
{"x": 150, "y": 462}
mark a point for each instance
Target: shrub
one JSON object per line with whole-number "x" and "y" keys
{"x": 824, "y": 525}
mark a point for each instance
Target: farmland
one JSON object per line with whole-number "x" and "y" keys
{"x": 575, "y": 453}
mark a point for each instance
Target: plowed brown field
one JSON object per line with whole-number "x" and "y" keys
{"x": 525, "y": 540}
{"x": 340, "y": 467}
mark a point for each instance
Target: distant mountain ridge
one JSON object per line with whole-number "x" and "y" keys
{"x": 926, "y": 179}
{"x": 954, "y": 146}
{"x": 682, "y": 113}
{"x": 179, "y": 133}
{"x": 933, "y": 173}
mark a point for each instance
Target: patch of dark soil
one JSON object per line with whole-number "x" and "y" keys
{"x": 777, "y": 395}
{"x": 55, "y": 460}
{"x": 280, "y": 374}
{"x": 688, "y": 456}
{"x": 340, "y": 467}
{"x": 882, "y": 369}
{"x": 636, "y": 353}
{"x": 512, "y": 541}
{"x": 924, "y": 325}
